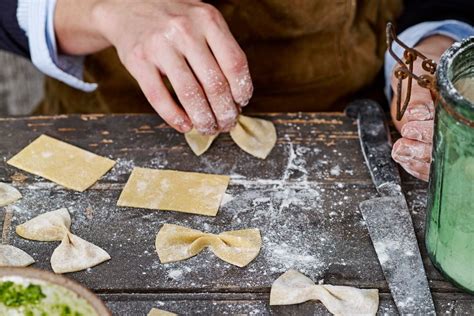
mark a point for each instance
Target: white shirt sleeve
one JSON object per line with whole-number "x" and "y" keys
{"x": 455, "y": 29}
{"x": 36, "y": 18}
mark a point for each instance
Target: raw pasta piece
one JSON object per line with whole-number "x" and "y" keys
{"x": 50, "y": 226}
{"x": 11, "y": 256}
{"x": 74, "y": 253}
{"x": 62, "y": 163}
{"x": 159, "y": 312}
{"x": 198, "y": 142}
{"x": 8, "y": 194}
{"x": 253, "y": 135}
{"x": 170, "y": 190}
{"x": 293, "y": 288}
{"x": 238, "y": 247}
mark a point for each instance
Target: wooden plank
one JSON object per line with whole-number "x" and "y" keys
{"x": 316, "y": 229}
{"x": 257, "y": 304}
{"x": 304, "y": 199}
{"x": 311, "y": 147}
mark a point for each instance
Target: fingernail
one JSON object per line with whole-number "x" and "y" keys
{"x": 212, "y": 130}
{"x": 411, "y": 132}
{"x": 244, "y": 103}
{"x": 182, "y": 124}
{"x": 419, "y": 113}
{"x": 402, "y": 153}
{"x": 186, "y": 127}
{"x": 245, "y": 88}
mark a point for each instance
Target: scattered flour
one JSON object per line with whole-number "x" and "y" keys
{"x": 335, "y": 171}
{"x": 282, "y": 257}
{"x": 121, "y": 168}
{"x": 280, "y": 206}
{"x": 175, "y": 274}
{"x": 226, "y": 199}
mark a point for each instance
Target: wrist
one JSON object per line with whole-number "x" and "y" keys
{"x": 76, "y": 27}
{"x": 102, "y": 17}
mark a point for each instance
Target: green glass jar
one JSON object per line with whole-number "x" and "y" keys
{"x": 450, "y": 218}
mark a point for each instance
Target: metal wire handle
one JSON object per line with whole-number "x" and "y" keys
{"x": 403, "y": 72}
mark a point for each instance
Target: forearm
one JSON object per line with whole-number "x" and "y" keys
{"x": 76, "y": 27}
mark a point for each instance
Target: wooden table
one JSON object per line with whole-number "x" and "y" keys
{"x": 303, "y": 198}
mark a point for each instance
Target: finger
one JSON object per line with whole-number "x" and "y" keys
{"x": 215, "y": 85}
{"x": 405, "y": 150}
{"x": 229, "y": 55}
{"x": 188, "y": 91}
{"x": 418, "y": 164}
{"x": 420, "y": 107}
{"x": 151, "y": 83}
{"x": 418, "y": 130}
{"x": 418, "y": 169}
{"x": 420, "y": 111}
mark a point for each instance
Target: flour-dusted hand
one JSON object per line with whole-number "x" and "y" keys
{"x": 187, "y": 41}
{"x": 413, "y": 150}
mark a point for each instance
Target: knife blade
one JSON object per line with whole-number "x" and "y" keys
{"x": 387, "y": 217}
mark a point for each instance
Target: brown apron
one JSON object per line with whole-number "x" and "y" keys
{"x": 304, "y": 55}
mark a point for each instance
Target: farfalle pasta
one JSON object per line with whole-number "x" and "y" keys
{"x": 11, "y": 256}
{"x": 238, "y": 247}
{"x": 74, "y": 253}
{"x": 253, "y": 135}
{"x": 8, "y": 194}
{"x": 294, "y": 288}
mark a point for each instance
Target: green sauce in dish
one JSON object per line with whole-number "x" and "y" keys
{"x": 15, "y": 295}
{"x": 19, "y": 296}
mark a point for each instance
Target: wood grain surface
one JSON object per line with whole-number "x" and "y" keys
{"x": 303, "y": 198}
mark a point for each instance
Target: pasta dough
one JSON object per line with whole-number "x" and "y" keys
{"x": 255, "y": 136}
{"x": 8, "y": 194}
{"x": 238, "y": 247}
{"x": 74, "y": 253}
{"x": 159, "y": 312}
{"x": 198, "y": 142}
{"x": 188, "y": 192}
{"x": 62, "y": 163}
{"x": 294, "y": 288}
{"x": 11, "y": 256}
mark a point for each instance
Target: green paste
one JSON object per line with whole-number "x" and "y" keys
{"x": 19, "y": 296}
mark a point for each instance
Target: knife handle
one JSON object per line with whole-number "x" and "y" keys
{"x": 376, "y": 145}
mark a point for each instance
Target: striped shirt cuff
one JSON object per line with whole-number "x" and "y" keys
{"x": 452, "y": 28}
{"x": 36, "y": 18}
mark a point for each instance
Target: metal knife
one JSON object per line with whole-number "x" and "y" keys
{"x": 387, "y": 217}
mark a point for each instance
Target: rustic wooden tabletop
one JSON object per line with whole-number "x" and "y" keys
{"x": 303, "y": 198}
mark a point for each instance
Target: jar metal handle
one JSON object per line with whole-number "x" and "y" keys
{"x": 405, "y": 70}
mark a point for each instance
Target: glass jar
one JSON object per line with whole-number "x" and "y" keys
{"x": 450, "y": 217}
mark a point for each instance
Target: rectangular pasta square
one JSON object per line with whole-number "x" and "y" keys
{"x": 62, "y": 163}
{"x": 170, "y": 190}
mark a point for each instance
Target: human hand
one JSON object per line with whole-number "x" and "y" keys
{"x": 413, "y": 150}
{"x": 187, "y": 41}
